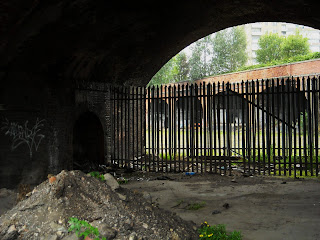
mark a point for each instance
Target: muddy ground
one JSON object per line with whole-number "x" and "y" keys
{"x": 261, "y": 207}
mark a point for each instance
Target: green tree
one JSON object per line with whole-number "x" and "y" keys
{"x": 274, "y": 47}
{"x": 295, "y": 45}
{"x": 183, "y": 67}
{"x": 175, "y": 70}
{"x": 269, "y": 48}
{"x": 200, "y": 60}
{"x": 229, "y": 50}
{"x": 165, "y": 74}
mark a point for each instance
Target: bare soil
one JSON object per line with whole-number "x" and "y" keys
{"x": 117, "y": 214}
{"x": 261, "y": 207}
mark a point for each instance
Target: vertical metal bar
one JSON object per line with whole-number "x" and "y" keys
{"x": 166, "y": 113}
{"x": 170, "y": 126}
{"x": 294, "y": 107}
{"x": 299, "y": 122}
{"x": 248, "y": 123}
{"x": 143, "y": 127}
{"x": 263, "y": 127}
{"x": 224, "y": 97}
{"x": 305, "y": 131}
{"x": 228, "y": 120}
{"x": 149, "y": 127}
{"x": 195, "y": 125}
{"x": 289, "y": 135}
{"x": 242, "y": 127}
{"x": 238, "y": 114}
{"x": 205, "y": 125}
{"x": 273, "y": 129}
{"x": 218, "y": 124}
{"x": 192, "y": 125}
{"x": 187, "y": 125}
{"x": 210, "y": 111}
{"x": 253, "y": 127}
{"x": 283, "y": 128}
{"x": 315, "y": 84}
{"x": 196, "y": 102}
{"x": 268, "y": 123}
{"x": 258, "y": 123}
{"x": 316, "y": 131}
{"x": 179, "y": 128}
{"x": 280, "y": 121}
{"x": 153, "y": 127}
{"x": 183, "y": 126}
{"x": 234, "y": 109}
{"x": 200, "y": 114}
{"x": 161, "y": 128}
{"x": 310, "y": 143}
{"x": 156, "y": 165}
{"x": 215, "y": 110}
{"x": 174, "y": 128}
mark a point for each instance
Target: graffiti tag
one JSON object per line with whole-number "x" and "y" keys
{"x": 22, "y": 134}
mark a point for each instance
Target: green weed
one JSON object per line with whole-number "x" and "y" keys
{"x": 97, "y": 175}
{"x": 217, "y": 232}
{"x": 84, "y": 229}
{"x": 196, "y": 206}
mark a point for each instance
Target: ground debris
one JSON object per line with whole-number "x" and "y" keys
{"x": 45, "y": 214}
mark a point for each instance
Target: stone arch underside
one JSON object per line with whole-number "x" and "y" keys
{"x": 53, "y": 44}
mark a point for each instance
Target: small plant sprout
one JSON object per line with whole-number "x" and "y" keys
{"x": 84, "y": 229}
{"x": 196, "y": 206}
{"x": 217, "y": 232}
{"x": 97, "y": 175}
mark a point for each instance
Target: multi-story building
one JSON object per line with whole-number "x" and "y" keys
{"x": 256, "y": 30}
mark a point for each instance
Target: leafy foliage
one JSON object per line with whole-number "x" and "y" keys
{"x": 275, "y": 48}
{"x": 222, "y": 52}
{"x": 84, "y": 229}
{"x": 213, "y": 54}
{"x": 270, "y": 48}
{"x": 298, "y": 58}
{"x": 175, "y": 70}
{"x": 217, "y": 232}
{"x": 97, "y": 175}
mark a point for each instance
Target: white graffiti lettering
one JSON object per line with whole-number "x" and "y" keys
{"x": 22, "y": 134}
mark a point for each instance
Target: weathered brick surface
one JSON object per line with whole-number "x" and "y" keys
{"x": 305, "y": 68}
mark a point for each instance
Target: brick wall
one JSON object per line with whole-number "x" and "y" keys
{"x": 305, "y": 68}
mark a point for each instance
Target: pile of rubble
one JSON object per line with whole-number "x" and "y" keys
{"x": 118, "y": 213}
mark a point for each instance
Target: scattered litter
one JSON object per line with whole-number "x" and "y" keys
{"x": 216, "y": 212}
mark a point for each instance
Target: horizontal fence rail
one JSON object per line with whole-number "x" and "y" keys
{"x": 260, "y": 127}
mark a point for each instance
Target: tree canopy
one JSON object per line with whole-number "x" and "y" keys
{"x": 221, "y": 52}
{"x": 274, "y": 47}
{"x": 270, "y": 48}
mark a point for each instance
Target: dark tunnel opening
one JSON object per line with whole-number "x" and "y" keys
{"x": 88, "y": 143}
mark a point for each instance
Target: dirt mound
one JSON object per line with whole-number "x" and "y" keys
{"x": 117, "y": 214}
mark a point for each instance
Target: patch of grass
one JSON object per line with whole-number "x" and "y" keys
{"x": 217, "y": 232}
{"x": 84, "y": 229}
{"x": 196, "y": 205}
{"x": 97, "y": 175}
{"x": 122, "y": 180}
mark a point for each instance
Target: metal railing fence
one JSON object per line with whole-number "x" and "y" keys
{"x": 261, "y": 127}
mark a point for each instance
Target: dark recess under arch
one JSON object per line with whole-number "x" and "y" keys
{"x": 88, "y": 142}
